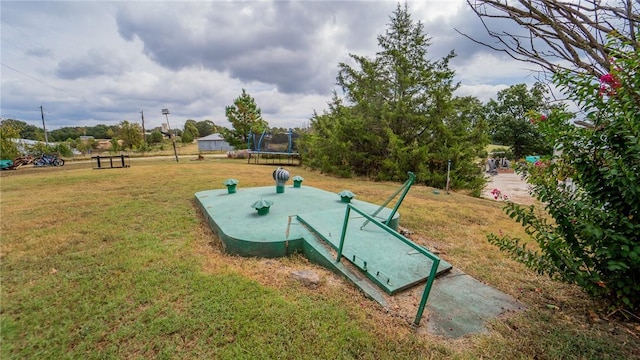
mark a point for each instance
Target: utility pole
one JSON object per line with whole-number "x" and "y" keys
{"x": 144, "y": 139}
{"x": 46, "y": 139}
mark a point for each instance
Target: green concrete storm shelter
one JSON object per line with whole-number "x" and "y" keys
{"x": 368, "y": 250}
{"x": 310, "y": 221}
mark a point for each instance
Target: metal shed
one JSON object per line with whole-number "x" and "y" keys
{"x": 213, "y": 142}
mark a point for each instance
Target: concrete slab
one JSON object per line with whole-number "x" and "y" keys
{"x": 460, "y": 305}
{"x": 509, "y": 184}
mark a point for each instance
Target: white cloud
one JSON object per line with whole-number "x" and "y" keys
{"x": 492, "y": 69}
{"x": 436, "y": 10}
{"x": 104, "y": 62}
{"x": 484, "y": 92}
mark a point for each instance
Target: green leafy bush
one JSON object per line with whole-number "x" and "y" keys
{"x": 590, "y": 232}
{"x": 8, "y": 146}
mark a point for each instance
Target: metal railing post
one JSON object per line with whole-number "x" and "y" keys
{"x": 406, "y": 186}
{"x": 427, "y": 290}
{"x": 435, "y": 259}
{"x": 344, "y": 231}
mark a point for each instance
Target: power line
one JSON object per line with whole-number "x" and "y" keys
{"x": 46, "y": 83}
{"x": 36, "y": 79}
{"x": 5, "y": 41}
{"x": 23, "y": 33}
{"x": 20, "y": 48}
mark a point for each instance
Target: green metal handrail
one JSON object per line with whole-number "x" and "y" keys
{"x": 434, "y": 258}
{"x": 406, "y": 186}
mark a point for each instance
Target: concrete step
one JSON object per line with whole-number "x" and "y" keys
{"x": 318, "y": 252}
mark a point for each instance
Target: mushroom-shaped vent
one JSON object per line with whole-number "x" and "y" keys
{"x": 231, "y": 185}
{"x": 297, "y": 181}
{"x": 346, "y": 196}
{"x": 262, "y": 206}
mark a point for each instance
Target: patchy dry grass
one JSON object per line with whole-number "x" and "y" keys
{"x": 120, "y": 264}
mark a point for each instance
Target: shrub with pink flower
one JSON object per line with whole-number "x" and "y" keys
{"x": 588, "y": 233}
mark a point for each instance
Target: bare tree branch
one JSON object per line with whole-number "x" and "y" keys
{"x": 562, "y": 34}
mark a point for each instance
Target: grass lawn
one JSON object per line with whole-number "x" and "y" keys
{"x": 119, "y": 263}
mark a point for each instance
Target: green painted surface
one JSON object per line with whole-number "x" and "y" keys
{"x": 245, "y": 233}
{"x": 317, "y": 252}
{"x": 461, "y": 305}
{"x": 387, "y": 261}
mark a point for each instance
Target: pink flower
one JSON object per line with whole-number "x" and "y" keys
{"x": 607, "y": 78}
{"x": 603, "y": 90}
{"x": 498, "y": 195}
{"x": 608, "y": 85}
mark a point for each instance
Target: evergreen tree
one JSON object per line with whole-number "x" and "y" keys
{"x": 398, "y": 115}
{"x": 244, "y": 115}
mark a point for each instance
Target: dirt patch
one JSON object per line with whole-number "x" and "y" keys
{"x": 510, "y": 185}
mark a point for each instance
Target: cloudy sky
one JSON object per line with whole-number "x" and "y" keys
{"x": 95, "y": 62}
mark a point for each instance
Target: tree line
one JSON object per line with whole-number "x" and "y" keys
{"x": 100, "y": 131}
{"x": 123, "y": 136}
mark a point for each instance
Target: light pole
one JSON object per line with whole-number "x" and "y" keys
{"x": 165, "y": 112}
